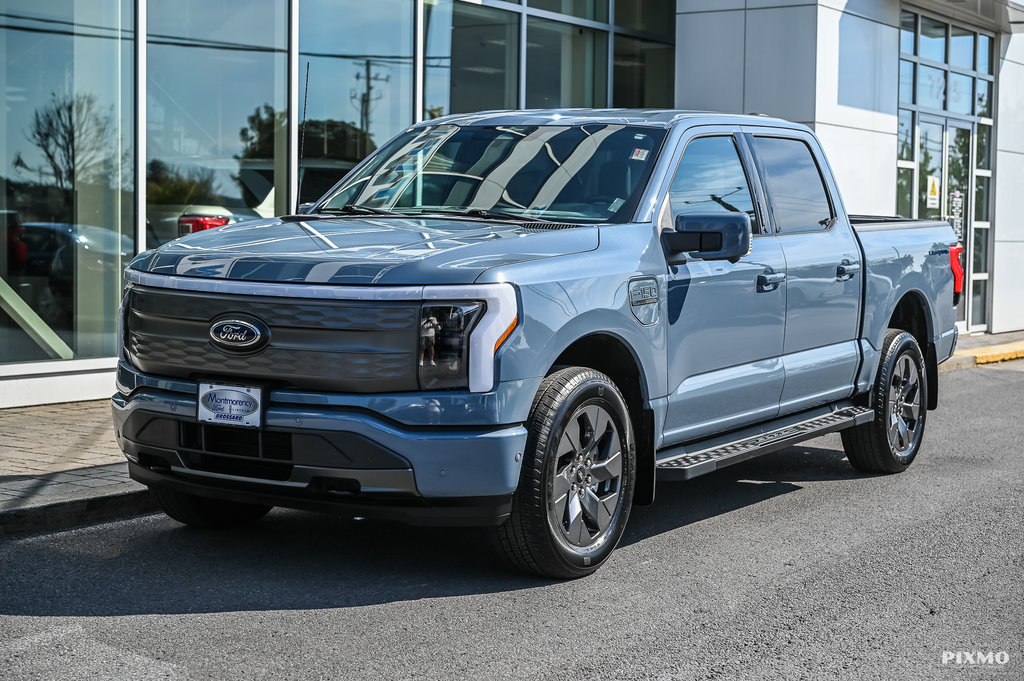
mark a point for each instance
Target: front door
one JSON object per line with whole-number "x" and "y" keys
{"x": 726, "y": 320}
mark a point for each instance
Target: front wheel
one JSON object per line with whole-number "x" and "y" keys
{"x": 890, "y": 442}
{"x": 576, "y": 485}
{"x": 203, "y": 512}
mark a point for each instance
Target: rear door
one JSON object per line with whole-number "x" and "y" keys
{"x": 725, "y": 320}
{"x": 823, "y": 268}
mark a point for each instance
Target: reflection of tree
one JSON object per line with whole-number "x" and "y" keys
{"x": 167, "y": 185}
{"x": 73, "y": 134}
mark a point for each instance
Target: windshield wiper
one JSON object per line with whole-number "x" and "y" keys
{"x": 486, "y": 214}
{"x": 357, "y": 209}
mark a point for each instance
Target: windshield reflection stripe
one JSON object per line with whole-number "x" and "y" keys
{"x": 309, "y": 228}
{"x": 550, "y": 190}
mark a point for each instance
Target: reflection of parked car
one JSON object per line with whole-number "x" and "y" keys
{"x": 168, "y": 222}
{"x": 58, "y": 253}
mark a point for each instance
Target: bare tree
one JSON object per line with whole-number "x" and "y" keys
{"x": 72, "y": 132}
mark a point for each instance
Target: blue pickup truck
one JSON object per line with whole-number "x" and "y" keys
{"x": 523, "y": 320}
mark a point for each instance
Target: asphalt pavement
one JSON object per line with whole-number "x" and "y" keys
{"x": 792, "y": 566}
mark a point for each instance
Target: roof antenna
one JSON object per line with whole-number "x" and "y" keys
{"x": 302, "y": 141}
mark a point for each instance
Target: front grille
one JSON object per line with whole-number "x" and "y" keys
{"x": 332, "y": 345}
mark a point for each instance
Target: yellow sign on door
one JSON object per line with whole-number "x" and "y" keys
{"x": 933, "y": 191}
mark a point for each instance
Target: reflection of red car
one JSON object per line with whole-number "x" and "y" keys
{"x": 17, "y": 251}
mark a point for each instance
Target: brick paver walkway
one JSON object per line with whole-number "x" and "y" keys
{"x": 58, "y": 450}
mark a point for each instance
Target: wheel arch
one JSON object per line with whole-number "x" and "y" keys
{"x": 913, "y": 315}
{"x": 614, "y": 356}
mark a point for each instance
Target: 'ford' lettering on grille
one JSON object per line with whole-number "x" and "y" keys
{"x": 235, "y": 334}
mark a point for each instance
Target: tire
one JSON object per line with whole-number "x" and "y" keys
{"x": 580, "y": 459}
{"x": 891, "y": 441}
{"x": 203, "y": 512}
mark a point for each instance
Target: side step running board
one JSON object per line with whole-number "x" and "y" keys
{"x": 700, "y": 458}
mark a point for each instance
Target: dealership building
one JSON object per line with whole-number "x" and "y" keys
{"x": 129, "y": 122}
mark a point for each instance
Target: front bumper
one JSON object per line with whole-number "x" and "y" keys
{"x": 327, "y": 458}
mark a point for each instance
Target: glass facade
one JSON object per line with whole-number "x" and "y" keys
{"x": 67, "y": 176}
{"x": 131, "y": 122}
{"x": 944, "y": 140}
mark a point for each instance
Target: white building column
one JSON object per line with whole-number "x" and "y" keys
{"x": 1007, "y": 279}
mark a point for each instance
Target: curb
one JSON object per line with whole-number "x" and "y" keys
{"x": 63, "y": 515}
{"x": 964, "y": 359}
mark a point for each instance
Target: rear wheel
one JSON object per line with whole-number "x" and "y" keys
{"x": 576, "y": 485}
{"x": 891, "y": 441}
{"x": 208, "y": 513}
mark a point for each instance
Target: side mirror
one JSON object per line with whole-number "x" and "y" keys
{"x": 710, "y": 236}
{"x": 305, "y": 207}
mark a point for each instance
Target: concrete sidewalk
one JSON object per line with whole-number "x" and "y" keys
{"x": 60, "y": 466}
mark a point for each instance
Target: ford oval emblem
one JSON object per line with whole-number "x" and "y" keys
{"x": 235, "y": 334}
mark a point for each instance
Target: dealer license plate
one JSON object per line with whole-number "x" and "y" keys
{"x": 230, "y": 405}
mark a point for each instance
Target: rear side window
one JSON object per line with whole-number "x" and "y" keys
{"x": 710, "y": 178}
{"x": 797, "y": 193}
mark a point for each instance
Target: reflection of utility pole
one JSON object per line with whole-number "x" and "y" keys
{"x": 365, "y": 99}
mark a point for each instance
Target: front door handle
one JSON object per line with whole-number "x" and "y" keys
{"x": 846, "y": 269}
{"x": 769, "y": 281}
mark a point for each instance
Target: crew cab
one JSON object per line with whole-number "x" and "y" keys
{"x": 523, "y": 320}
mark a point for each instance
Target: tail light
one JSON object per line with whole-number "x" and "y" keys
{"x": 189, "y": 224}
{"x": 955, "y": 251}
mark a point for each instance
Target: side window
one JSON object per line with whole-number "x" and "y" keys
{"x": 797, "y": 193}
{"x": 710, "y": 178}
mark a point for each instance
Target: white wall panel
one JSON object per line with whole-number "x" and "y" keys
{"x": 1008, "y": 280}
{"x": 864, "y": 163}
{"x": 857, "y": 73}
{"x": 709, "y": 61}
{"x": 780, "y": 62}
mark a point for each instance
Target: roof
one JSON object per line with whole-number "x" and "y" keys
{"x": 662, "y": 118}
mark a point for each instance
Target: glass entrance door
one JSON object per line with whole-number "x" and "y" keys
{"x": 945, "y": 183}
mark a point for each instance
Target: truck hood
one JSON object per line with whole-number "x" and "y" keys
{"x": 361, "y": 250}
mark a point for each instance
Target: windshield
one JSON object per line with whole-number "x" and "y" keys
{"x": 578, "y": 173}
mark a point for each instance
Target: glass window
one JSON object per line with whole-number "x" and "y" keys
{"x": 984, "y": 144}
{"x": 360, "y": 83}
{"x": 979, "y": 299}
{"x": 985, "y": 54}
{"x": 980, "y": 251}
{"x": 906, "y": 81}
{"x": 929, "y": 183}
{"x": 472, "y": 59}
{"x": 797, "y": 193}
{"x": 960, "y": 99}
{"x": 932, "y": 42}
{"x": 958, "y": 175}
{"x": 931, "y": 87}
{"x": 981, "y": 198}
{"x": 905, "y": 136}
{"x": 983, "y": 98}
{"x": 657, "y": 17}
{"x": 904, "y": 192}
{"x": 66, "y": 176}
{"x": 642, "y": 73}
{"x": 579, "y": 173}
{"x": 216, "y": 137}
{"x": 961, "y": 47}
{"x": 595, "y": 10}
{"x": 566, "y": 66}
{"x": 710, "y": 178}
{"x": 908, "y": 28}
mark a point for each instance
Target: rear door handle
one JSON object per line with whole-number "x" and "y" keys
{"x": 846, "y": 269}
{"x": 769, "y": 281}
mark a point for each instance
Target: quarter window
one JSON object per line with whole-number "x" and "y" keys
{"x": 798, "y": 197}
{"x": 710, "y": 178}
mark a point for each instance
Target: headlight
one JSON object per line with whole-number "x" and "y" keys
{"x": 445, "y": 329}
